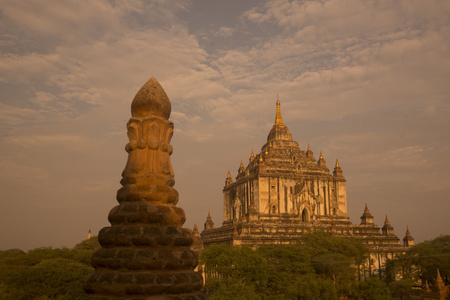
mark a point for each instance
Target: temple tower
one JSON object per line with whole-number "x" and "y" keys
{"x": 366, "y": 218}
{"x": 145, "y": 253}
{"x": 209, "y": 224}
{"x": 408, "y": 240}
{"x": 283, "y": 182}
{"x": 387, "y": 228}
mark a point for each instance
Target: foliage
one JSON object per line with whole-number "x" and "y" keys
{"x": 88, "y": 244}
{"x": 312, "y": 287}
{"x": 430, "y": 256}
{"x": 235, "y": 290}
{"x": 46, "y": 273}
{"x": 320, "y": 268}
{"x": 51, "y": 277}
{"x": 421, "y": 262}
{"x": 335, "y": 258}
{"x": 373, "y": 288}
{"x": 402, "y": 288}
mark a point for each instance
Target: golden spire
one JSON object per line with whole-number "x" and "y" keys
{"x": 337, "y": 163}
{"x": 427, "y": 287}
{"x": 252, "y": 154}
{"x": 242, "y": 165}
{"x": 229, "y": 175}
{"x": 278, "y": 118}
{"x": 309, "y": 149}
{"x": 89, "y": 233}
{"x": 438, "y": 277}
{"x": 321, "y": 157}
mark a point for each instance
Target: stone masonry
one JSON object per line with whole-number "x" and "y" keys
{"x": 284, "y": 192}
{"x": 145, "y": 252}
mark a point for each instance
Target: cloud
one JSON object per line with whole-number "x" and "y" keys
{"x": 224, "y": 32}
{"x": 32, "y": 141}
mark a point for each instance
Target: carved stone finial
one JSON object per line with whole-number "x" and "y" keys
{"x": 151, "y": 100}
{"x": 145, "y": 253}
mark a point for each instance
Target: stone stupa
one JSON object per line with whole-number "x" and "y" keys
{"x": 145, "y": 252}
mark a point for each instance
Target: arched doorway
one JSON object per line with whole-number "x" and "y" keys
{"x": 274, "y": 209}
{"x": 305, "y": 216}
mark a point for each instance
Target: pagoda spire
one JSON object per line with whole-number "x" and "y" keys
{"x": 228, "y": 180}
{"x": 408, "y": 240}
{"x": 209, "y": 224}
{"x": 278, "y": 118}
{"x": 309, "y": 153}
{"x": 279, "y": 131}
{"x": 366, "y": 218}
{"x": 387, "y": 229}
{"x": 337, "y": 170}
{"x": 322, "y": 162}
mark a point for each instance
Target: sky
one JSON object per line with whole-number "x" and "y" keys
{"x": 365, "y": 82}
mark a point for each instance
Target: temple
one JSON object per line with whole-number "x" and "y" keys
{"x": 284, "y": 192}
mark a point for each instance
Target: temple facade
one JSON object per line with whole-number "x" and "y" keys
{"x": 284, "y": 192}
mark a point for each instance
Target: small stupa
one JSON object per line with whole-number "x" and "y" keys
{"x": 145, "y": 252}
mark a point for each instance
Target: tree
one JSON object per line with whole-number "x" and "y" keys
{"x": 402, "y": 288}
{"x": 91, "y": 244}
{"x": 311, "y": 287}
{"x": 430, "y": 256}
{"x": 335, "y": 258}
{"x": 46, "y": 273}
{"x": 321, "y": 267}
{"x": 371, "y": 289}
{"x": 421, "y": 262}
{"x": 284, "y": 264}
{"x": 237, "y": 291}
{"x": 52, "y": 278}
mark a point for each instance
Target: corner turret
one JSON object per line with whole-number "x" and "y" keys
{"x": 322, "y": 163}
{"x": 366, "y": 218}
{"x": 241, "y": 171}
{"x": 195, "y": 231}
{"x": 310, "y": 154}
{"x": 241, "y": 168}
{"x": 387, "y": 229}
{"x": 337, "y": 170}
{"x": 408, "y": 240}
{"x": 229, "y": 180}
{"x": 209, "y": 224}
{"x": 252, "y": 157}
